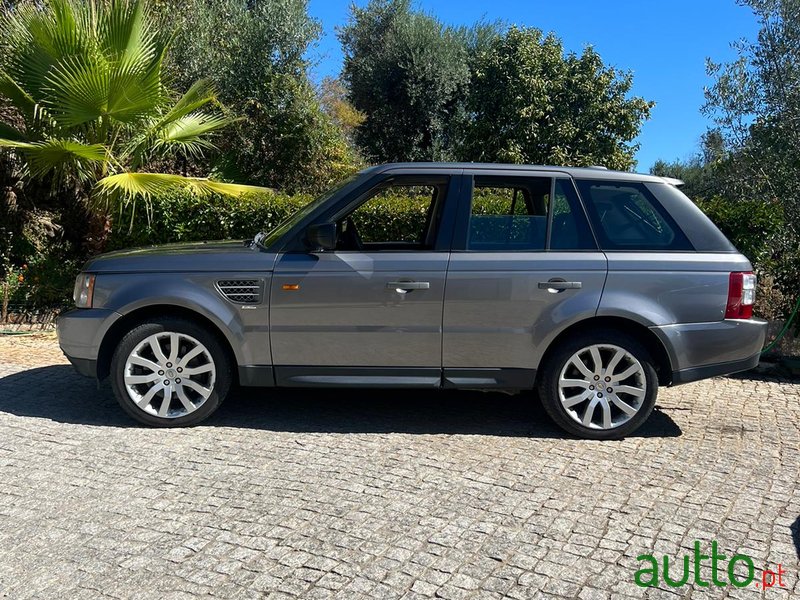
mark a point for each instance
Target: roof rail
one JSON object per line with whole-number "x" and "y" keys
{"x": 600, "y": 167}
{"x": 674, "y": 182}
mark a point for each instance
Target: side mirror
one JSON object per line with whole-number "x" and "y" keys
{"x": 322, "y": 235}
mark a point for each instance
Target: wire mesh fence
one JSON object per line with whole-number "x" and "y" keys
{"x": 28, "y": 317}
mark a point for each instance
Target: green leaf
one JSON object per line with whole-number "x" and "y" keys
{"x": 54, "y": 155}
{"x": 198, "y": 95}
{"x": 128, "y": 186}
{"x": 186, "y": 133}
{"x": 78, "y": 91}
{"x": 9, "y": 133}
{"x": 18, "y": 97}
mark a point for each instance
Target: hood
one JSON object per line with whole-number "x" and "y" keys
{"x": 234, "y": 256}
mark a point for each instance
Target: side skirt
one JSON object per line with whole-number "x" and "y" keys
{"x": 386, "y": 377}
{"x": 489, "y": 379}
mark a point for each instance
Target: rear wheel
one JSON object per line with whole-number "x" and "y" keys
{"x": 170, "y": 372}
{"x": 599, "y": 385}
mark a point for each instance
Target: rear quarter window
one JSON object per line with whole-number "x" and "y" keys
{"x": 626, "y": 216}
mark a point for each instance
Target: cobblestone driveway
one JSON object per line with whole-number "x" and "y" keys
{"x": 379, "y": 495}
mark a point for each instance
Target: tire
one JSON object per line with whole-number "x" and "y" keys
{"x": 614, "y": 415}
{"x": 198, "y": 381}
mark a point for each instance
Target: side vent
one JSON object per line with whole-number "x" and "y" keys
{"x": 241, "y": 291}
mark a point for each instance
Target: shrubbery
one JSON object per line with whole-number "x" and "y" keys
{"x": 756, "y": 228}
{"x": 183, "y": 217}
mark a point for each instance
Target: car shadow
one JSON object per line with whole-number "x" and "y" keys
{"x": 795, "y": 529}
{"x": 59, "y": 394}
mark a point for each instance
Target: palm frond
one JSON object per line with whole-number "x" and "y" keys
{"x": 126, "y": 187}
{"x": 39, "y": 37}
{"x": 78, "y": 91}
{"x": 85, "y": 60}
{"x": 187, "y": 133}
{"x": 201, "y": 93}
{"x": 124, "y": 28}
{"x": 10, "y": 134}
{"x": 53, "y": 156}
{"x": 16, "y": 95}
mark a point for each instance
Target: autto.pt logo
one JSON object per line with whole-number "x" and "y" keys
{"x": 705, "y": 570}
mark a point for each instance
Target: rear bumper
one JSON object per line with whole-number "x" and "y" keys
{"x": 706, "y": 371}
{"x": 701, "y": 350}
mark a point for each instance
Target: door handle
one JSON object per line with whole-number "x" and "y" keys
{"x": 403, "y": 287}
{"x": 559, "y": 285}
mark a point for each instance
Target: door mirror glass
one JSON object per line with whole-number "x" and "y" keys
{"x": 322, "y": 235}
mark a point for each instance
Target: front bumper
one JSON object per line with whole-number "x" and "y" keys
{"x": 80, "y": 333}
{"x": 702, "y": 350}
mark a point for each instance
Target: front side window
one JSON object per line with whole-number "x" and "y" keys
{"x": 626, "y": 216}
{"x": 397, "y": 216}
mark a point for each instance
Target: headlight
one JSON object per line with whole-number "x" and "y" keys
{"x": 84, "y": 290}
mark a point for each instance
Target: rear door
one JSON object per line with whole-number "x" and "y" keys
{"x": 524, "y": 265}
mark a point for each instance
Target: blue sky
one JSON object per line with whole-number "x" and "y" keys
{"x": 665, "y": 44}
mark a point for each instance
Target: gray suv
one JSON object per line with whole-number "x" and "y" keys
{"x": 590, "y": 286}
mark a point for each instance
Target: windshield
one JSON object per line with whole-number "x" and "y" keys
{"x": 265, "y": 240}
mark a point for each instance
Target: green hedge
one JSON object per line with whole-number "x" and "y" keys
{"x": 188, "y": 218}
{"x": 183, "y": 217}
{"x": 750, "y": 224}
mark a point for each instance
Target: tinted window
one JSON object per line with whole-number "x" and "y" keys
{"x": 626, "y": 216}
{"x": 569, "y": 229}
{"x": 511, "y": 214}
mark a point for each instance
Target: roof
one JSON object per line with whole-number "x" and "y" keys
{"x": 576, "y": 172}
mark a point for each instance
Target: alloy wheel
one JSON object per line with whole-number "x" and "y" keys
{"x": 169, "y": 374}
{"x": 602, "y": 386}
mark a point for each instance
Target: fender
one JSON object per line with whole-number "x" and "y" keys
{"x": 246, "y": 328}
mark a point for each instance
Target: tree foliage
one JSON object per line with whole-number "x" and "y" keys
{"x": 407, "y": 73}
{"x": 254, "y": 51}
{"x": 532, "y": 103}
{"x": 755, "y": 103}
{"x": 483, "y": 93}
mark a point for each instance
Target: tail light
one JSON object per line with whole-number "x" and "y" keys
{"x": 741, "y": 296}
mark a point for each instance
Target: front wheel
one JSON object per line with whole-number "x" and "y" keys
{"x": 170, "y": 372}
{"x": 599, "y": 385}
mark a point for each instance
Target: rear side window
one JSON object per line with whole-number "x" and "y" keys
{"x": 626, "y": 216}
{"x": 513, "y": 214}
{"x": 569, "y": 229}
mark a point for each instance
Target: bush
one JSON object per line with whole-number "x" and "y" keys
{"x": 750, "y": 224}
{"x": 184, "y": 217}
{"x": 757, "y": 229}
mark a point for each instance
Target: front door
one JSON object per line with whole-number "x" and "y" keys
{"x": 370, "y": 311}
{"x": 524, "y": 266}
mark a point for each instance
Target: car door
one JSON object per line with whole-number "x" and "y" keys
{"x": 524, "y": 266}
{"x": 368, "y": 312}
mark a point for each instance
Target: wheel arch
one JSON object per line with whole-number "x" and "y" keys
{"x": 641, "y": 333}
{"x": 142, "y": 314}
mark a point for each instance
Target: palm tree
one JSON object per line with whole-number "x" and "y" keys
{"x": 85, "y": 79}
